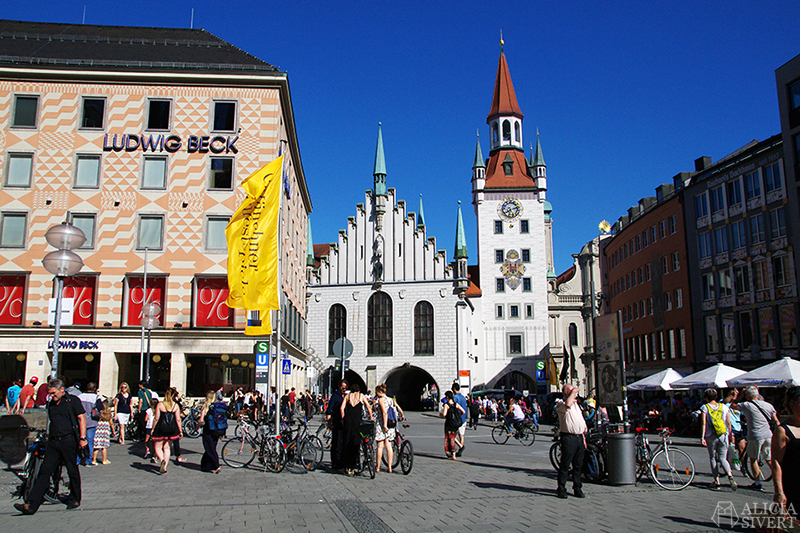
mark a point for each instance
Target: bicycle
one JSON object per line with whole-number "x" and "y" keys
{"x": 402, "y": 452}
{"x": 523, "y": 432}
{"x": 324, "y": 434}
{"x": 669, "y": 467}
{"x": 190, "y": 420}
{"x": 594, "y": 457}
{"x": 764, "y": 468}
{"x": 366, "y": 456}
{"x": 58, "y": 490}
{"x": 240, "y": 451}
{"x": 301, "y": 447}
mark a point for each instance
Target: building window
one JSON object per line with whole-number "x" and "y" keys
{"x": 513, "y": 311}
{"x": 638, "y": 243}
{"x": 423, "y": 329}
{"x": 650, "y": 306}
{"x": 647, "y": 272}
{"x": 672, "y": 222}
{"x": 662, "y": 229}
{"x": 712, "y": 336}
{"x": 738, "y": 234}
{"x": 676, "y": 261}
{"x": 221, "y": 174}
{"x": 721, "y": 240}
{"x": 94, "y": 111}
{"x": 19, "y": 170}
{"x": 209, "y": 307}
{"x": 665, "y": 265}
{"x": 752, "y": 185}
{"x": 526, "y": 256}
{"x": 86, "y": 223}
{"x": 709, "y": 292}
{"x": 224, "y": 117}
{"x": 12, "y": 230}
{"x": 523, "y": 226}
{"x": 772, "y": 177}
{"x": 499, "y": 256}
{"x": 159, "y": 113}
{"x": 498, "y": 226}
{"x": 573, "y": 334}
{"x": 746, "y": 329}
{"x": 87, "y": 172}
{"x": 766, "y": 324}
{"x": 379, "y": 325}
{"x": 154, "y": 173}
{"x": 757, "y": 229}
{"x": 499, "y": 311}
{"x": 761, "y": 276}
{"x": 704, "y": 244}
{"x": 515, "y": 345}
{"x": 780, "y": 270}
{"x": 526, "y": 284}
{"x": 215, "y": 233}
{"x": 529, "y": 311}
{"x": 788, "y": 326}
{"x": 640, "y": 275}
{"x": 734, "y": 190}
{"x": 678, "y": 298}
{"x": 777, "y": 223}
{"x": 501, "y": 285}
{"x": 725, "y": 283}
{"x": 667, "y": 302}
{"x": 337, "y": 326}
{"x": 701, "y": 205}
{"x": 25, "y": 111}
{"x": 151, "y": 232}
{"x": 741, "y": 278}
{"x": 717, "y": 199}
{"x": 653, "y": 234}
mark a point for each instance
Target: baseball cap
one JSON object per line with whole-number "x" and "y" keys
{"x": 34, "y": 379}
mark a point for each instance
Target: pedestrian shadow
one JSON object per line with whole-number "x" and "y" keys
{"x": 705, "y": 524}
{"x": 146, "y": 467}
{"x": 539, "y": 472}
{"x": 515, "y": 488}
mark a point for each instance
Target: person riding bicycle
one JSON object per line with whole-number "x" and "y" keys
{"x": 513, "y": 416}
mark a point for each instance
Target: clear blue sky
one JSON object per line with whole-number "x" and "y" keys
{"x": 625, "y": 96}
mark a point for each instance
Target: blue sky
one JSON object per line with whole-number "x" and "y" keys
{"x": 625, "y": 95}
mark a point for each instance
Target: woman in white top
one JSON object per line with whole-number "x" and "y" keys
{"x": 716, "y": 438}
{"x": 384, "y": 435}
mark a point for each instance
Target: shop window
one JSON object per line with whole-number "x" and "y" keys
{"x": 12, "y": 300}
{"x": 83, "y": 291}
{"x": 135, "y": 297}
{"x": 210, "y": 307}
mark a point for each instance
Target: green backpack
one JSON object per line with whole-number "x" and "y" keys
{"x": 717, "y": 419}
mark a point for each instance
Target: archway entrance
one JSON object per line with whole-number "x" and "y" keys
{"x": 328, "y": 381}
{"x": 516, "y": 380}
{"x": 411, "y": 386}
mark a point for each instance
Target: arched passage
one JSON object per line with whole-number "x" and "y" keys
{"x": 329, "y": 380}
{"x": 410, "y": 385}
{"x": 516, "y": 380}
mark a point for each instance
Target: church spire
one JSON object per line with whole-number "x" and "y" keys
{"x": 479, "y": 162}
{"x": 380, "y": 166}
{"x": 421, "y": 220}
{"x": 538, "y": 159}
{"x": 505, "y": 116}
{"x": 461, "y": 240}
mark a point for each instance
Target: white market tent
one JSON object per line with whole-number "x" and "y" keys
{"x": 781, "y": 373}
{"x": 716, "y": 376}
{"x": 658, "y": 381}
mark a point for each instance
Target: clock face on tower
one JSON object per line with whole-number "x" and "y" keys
{"x": 510, "y": 209}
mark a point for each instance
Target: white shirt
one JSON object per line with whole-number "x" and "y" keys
{"x": 570, "y": 419}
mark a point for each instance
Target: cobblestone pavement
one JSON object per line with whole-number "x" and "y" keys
{"x": 492, "y": 488}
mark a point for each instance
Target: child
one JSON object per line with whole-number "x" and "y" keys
{"x": 102, "y": 436}
{"x": 149, "y": 416}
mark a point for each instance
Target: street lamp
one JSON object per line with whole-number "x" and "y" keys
{"x": 150, "y": 312}
{"x": 62, "y": 263}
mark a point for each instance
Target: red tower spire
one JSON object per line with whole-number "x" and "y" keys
{"x": 504, "y": 101}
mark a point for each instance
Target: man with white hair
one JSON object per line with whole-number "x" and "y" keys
{"x": 572, "y": 430}
{"x": 758, "y": 414}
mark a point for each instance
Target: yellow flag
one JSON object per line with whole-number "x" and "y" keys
{"x": 552, "y": 376}
{"x": 252, "y": 236}
{"x": 258, "y": 323}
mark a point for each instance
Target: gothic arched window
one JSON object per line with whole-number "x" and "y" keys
{"x": 379, "y": 324}
{"x": 506, "y": 130}
{"x": 337, "y": 325}
{"x": 423, "y": 329}
{"x": 573, "y": 334}
{"x": 495, "y": 134}
{"x": 516, "y": 131}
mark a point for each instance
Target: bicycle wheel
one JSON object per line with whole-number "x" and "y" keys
{"x": 500, "y": 434}
{"x": 367, "y": 461}
{"x": 406, "y": 457}
{"x": 32, "y": 472}
{"x": 555, "y": 455}
{"x": 191, "y": 428}
{"x": 319, "y": 447}
{"x": 325, "y": 435}
{"x": 237, "y": 453}
{"x": 273, "y": 454}
{"x": 395, "y": 455}
{"x": 592, "y": 470}
{"x": 527, "y": 436}
{"x": 59, "y": 486}
{"x": 764, "y": 469}
{"x": 307, "y": 455}
{"x": 673, "y": 470}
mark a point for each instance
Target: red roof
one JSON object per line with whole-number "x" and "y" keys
{"x": 504, "y": 101}
{"x": 319, "y": 251}
{"x": 496, "y": 175}
{"x": 565, "y": 276}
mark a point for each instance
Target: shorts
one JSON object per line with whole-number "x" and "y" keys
{"x": 760, "y": 448}
{"x": 123, "y": 418}
{"x": 148, "y": 431}
{"x": 738, "y": 435}
{"x": 462, "y": 429}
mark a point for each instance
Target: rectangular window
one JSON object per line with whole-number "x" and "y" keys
{"x": 717, "y": 199}
{"x": 721, "y": 240}
{"x": 725, "y": 283}
{"x": 87, "y": 172}
{"x": 645, "y": 239}
{"x": 757, "y": 229}
{"x": 741, "y": 277}
{"x": 777, "y": 223}
{"x": 12, "y": 230}
{"x": 529, "y": 311}
{"x": 780, "y": 270}
{"x": 738, "y": 235}
{"x": 650, "y": 306}
{"x": 501, "y": 285}
{"x": 667, "y": 301}
{"x": 712, "y": 336}
{"x": 513, "y": 311}
{"x": 151, "y": 232}
{"x": 746, "y": 329}
{"x": 627, "y": 281}
{"x": 653, "y": 234}
{"x": 86, "y": 223}
{"x": 734, "y": 190}
{"x": 638, "y": 243}
{"x": 221, "y": 174}
{"x": 159, "y": 114}
{"x": 499, "y": 256}
{"x": 676, "y": 261}
{"x": 704, "y": 244}
{"x": 526, "y": 256}
{"x": 515, "y": 344}
{"x": 640, "y": 275}
{"x": 154, "y": 173}
{"x": 647, "y": 272}
{"x": 211, "y": 310}
{"x": 766, "y": 324}
{"x": 665, "y": 265}
{"x": 788, "y": 326}
{"x": 224, "y": 117}
{"x": 499, "y": 311}
{"x": 19, "y": 170}
{"x": 635, "y": 311}
{"x": 94, "y": 112}
{"x": 633, "y": 278}
{"x": 498, "y": 227}
{"x": 752, "y": 185}
{"x": 672, "y": 222}
{"x": 526, "y": 284}
{"x": 760, "y": 275}
{"x": 25, "y": 111}
{"x": 772, "y": 177}
{"x": 701, "y": 205}
{"x": 215, "y": 233}
{"x": 678, "y": 298}
{"x": 523, "y": 226}
{"x": 708, "y": 287}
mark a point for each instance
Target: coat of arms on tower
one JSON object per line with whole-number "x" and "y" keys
{"x": 512, "y": 269}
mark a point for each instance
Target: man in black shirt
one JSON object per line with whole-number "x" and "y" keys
{"x": 334, "y": 418}
{"x": 67, "y": 432}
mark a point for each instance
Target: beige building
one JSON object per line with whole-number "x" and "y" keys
{"x": 141, "y": 137}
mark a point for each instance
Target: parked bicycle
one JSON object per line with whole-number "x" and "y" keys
{"x": 240, "y": 451}
{"x": 324, "y": 434}
{"x": 190, "y": 420}
{"x": 523, "y": 432}
{"x": 402, "y": 452}
{"x": 58, "y": 490}
{"x": 302, "y": 447}
{"x": 366, "y": 455}
{"x": 594, "y": 457}
{"x": 669, "y": 467}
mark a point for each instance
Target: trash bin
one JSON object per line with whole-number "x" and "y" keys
{"x": 621, "y": 459}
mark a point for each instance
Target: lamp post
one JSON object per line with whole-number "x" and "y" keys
{"x": 150, "y": 312}
{"x": 62, "y": 263}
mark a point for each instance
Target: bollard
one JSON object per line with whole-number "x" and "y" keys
{"x": 621, "y": 459}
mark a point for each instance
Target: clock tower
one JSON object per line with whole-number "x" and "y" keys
{"x": 508, "y": 194}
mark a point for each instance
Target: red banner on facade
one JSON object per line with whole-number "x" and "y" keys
{"x": 83, "y": 290}
{"x": 12, "y": 299}
{"x": 211, "y": 311}
{"x": 156, "y": 292}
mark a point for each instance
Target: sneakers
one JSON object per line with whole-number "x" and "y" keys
{"x": 106, "y": 462}
{"x": 734, "y": 485}
{"x": 94, "y": 463}
{"x": 756, "y": 486}
{"x": 23, "y": 508}
{"x": 460, "y": 451}
{"x": 89, "y": 465}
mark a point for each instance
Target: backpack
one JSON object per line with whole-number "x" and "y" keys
{"x": 720, "y": 428}
{"x": 391, "y": 417}
{"x": 453, "y": 420}
{"x": 217, "y": 417}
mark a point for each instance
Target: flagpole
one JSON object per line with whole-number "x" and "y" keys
{"x": 144, "y": 302}
{"x": 278, "y": 311}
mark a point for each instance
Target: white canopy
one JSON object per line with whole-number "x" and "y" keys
{"x": 658, "y": 381}
{"x": 715, "y": 376}
{"x": 781, "y": 373}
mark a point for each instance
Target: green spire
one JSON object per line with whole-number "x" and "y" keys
{"x": 538, "y": 159}
{"x": 478, "y": 155}
{"x": 421, "y": 221}
{"x": 380, "y": 166}
{"x": 461, "y": 240}
{"x": 309, "y": 248}
{"x": 551, "y": 274}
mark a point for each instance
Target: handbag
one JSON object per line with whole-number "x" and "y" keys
{"x": 167, "y": 425}
{"x": 772, "y": 425}
{"x": 391, "y": 417}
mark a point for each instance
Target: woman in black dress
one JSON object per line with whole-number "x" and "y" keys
{"x": 352, "y": 412}
{"x": 786, "y": 456}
